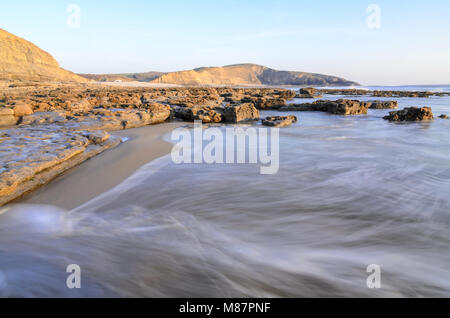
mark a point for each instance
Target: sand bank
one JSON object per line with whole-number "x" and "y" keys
{"x": 106, "y": 170}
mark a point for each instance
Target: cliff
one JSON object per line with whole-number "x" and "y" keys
{"x": 249, "y": 74}
{"x": 21, "y": 60}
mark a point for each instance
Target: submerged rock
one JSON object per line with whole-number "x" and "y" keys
{"x": 411, "y": 114}
{"x": 241, "y": 113}
{"x": 279, "y": 121}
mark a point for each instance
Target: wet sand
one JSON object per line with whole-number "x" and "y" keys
{"x": 105, "y": 171}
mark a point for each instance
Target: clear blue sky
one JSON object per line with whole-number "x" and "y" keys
{"x": 324, "y": 36}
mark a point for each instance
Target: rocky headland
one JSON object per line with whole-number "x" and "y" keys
{"x": 239, "y": 74}
{"x": 248, "y": 74}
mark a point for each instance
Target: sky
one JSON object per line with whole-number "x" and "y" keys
{"x": 375, "y": 42}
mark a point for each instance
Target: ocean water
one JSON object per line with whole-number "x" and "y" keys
{"x": 350, "y": 192}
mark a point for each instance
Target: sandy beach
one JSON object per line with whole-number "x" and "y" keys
{"x": 103, "y": 172}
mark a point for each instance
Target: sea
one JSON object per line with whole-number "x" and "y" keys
{"x": 360, "y": 207}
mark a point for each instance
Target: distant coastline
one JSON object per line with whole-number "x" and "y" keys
{"x": 235, "y": 75}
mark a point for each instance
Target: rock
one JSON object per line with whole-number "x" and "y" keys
{"x": 287, "y": 94}
{"x": 21, "y": 110}
{"x": 308, "y": 96}
{"x": 82, "y": 106}
{"x": 339, "y": 107}
{"x": 204, "y": 114}
{"x": 382, "y": 104}
{"x": 443, "y": 116}
{"x": 6, "y": 121}
{"x": 97, "y": 137}
{"x": 411, "y": 114}
{"x": 234, "y": 97}
{"x": 346, "y": 107}
{"x": 6, "y": 111}
{"x": 279, "y": 121}
{"x": 31, "y": 156}
{"x": 268, "y": 103}
{"x": 159, "y": 113}
{"x": 241, "y": 113}
{"x": 7, "y": 117}
{"x": 44, "y": 118}
{"x": 102, "y": 112}
{"x": 194, "y": 101}
{"x": 119, "y": 118}
{"x": 308, "y": 91}
{"x": 157, "y": 108}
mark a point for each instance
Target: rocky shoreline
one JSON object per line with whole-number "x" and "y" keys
{"x": 47, "y": 129}
{"x": 378, "y": 93}
{"x": 34, "y": 156}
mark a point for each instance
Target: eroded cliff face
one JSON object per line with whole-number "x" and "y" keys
{"x": 248, "y": 74}
{"x": 230, "y": 75}
{"x": 21, "y": 60}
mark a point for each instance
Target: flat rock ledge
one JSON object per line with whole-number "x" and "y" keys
{"x": 279, "y": 121}
{"x": 33, "y": 156}
{"x": 45, "y": 144}
{"x": 411, "y": 114}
